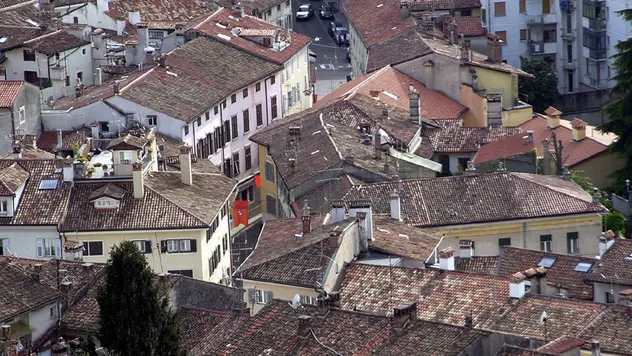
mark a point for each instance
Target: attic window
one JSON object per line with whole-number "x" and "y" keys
{"x": 547, "y": 261}
{"x": 583, "y": 267}
{"x": 48, "y": 184}
{"x": 3, "y": 39}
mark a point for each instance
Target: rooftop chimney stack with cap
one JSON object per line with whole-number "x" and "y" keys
{"x": 137, "y": 179}
{"x": 337, "y": 211}
{"x": 446, "y": 259}
{"x": 596, "y": 196}
{"x": 529, "y": 136}
{"x": 67, "y": 169}
{"x": 37, "y": 271}
{"x": 304, "y": 322}
{"x": 404, "y": 314}
{"x": 517, "y": 285}
{"x": 87, "y": 271}
{"x": 362, "y": 210}
{"x": 414, "y": 105}
{"x": 579, "y": 129}
{"x": 471, "y": 169}
{"x": 185, "y": 165}
{"x": 552, "y": 117}
{"x": 17, "y": 150}
{"x": 238, "y": 8}
{"x": 595, "y": 348}
{"x": 466, "y": 248}
{"x": 606, "y": 240}
{"x": 566, "y": 173}
{"x": 396, "y": 206}
{"x": 494, "y": 48}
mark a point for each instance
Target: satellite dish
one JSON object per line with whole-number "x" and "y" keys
{"x": 543, "y": 318}
{"x": 296, "y": 302}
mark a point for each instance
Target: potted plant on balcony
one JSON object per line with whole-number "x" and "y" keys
{"x": 106, "y": 172}
{"x": 89, "y": 171}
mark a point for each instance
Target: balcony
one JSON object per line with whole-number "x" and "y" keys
{"x": 540, "y": 20}
{"x": 567, "y": 35}
{"x": 569, "y": 65}
{"x": 541, "y": 47}
{"x": 597, "y": 24}
{"x": 567, "y": 5}
{"x": 598, "y": 54}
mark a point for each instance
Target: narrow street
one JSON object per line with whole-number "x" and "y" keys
{"x": 332, "y": 66}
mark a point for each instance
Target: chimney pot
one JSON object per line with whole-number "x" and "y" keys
{"x": 596, "y": 196}
{"x": 64, "y": 287}
{"x": 446, "y": 259}
{"x": 185, "y": 165}
{"x": 17, "y": 150}
{"x": 137, "y": 179}
{"x": 566, "y": 174}
{"x": 307, "y": 222}
{"x": 517, "y": 286}
{"x": 88, "y": 271}
{"x": 595, "y": 348}
{"x": 403, "y": 314}
{"x": 494, "y": 48}
{"x": 60, "y": 139}
{"x": 337, "y": 211}
{"x": 579, "y": 130}
{"x": 304, "y": 322}
{"x": 529, "y": 135}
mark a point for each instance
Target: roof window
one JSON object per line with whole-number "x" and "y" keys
{"x": 3, "y": 39}
{"x": 48, "y": 184}
{"x": 583, "y": 266}
{"x": 547, "y": 261}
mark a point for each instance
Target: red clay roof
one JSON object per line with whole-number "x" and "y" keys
{"x": 162, "y": 14}
{"x": 562, "y": 344}
{"x": 434, "y": 105}
{"x": 422, "y": 5}
{"x": 508, "y": 147}
{"x": 251, "y": 26}
{"x": 377, "y": 20}
{"x": 9, "y": 91}
{"x": 470, "y": 26}
{"x": 394, "y": 237}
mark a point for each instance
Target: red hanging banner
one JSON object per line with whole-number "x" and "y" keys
{"x": 240, "y": 213}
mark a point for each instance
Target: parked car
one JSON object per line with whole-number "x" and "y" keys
{"x": 332, "y": 27}
{"x": 341, "y": 36}
{"x": 325, "y": 12}
{"x": 305, "y": 12}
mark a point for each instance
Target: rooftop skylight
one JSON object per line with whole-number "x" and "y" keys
{"x": 48, "y": 184}
{"x": 547, "y": 261}
{"x": 583, "y": 266}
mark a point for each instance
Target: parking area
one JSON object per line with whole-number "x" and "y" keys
{"x": 332, "y": 66}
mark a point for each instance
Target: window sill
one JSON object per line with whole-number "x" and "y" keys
{"x": 180, "y": 253}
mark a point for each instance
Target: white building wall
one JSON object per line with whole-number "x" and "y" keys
{"x": 512, "y": 23}
{"x": 600, "y": 289}
{"x": 87, "y": 14}
{"x": 618, "y": 30}
{"x": 22, "y": 239}
{"x": 83, "y": 116}
{"x": 296, "y": 75}
{"x": 279, "y": 14}
{"x": 216, "y": 243}
{"x": 166, "y": 124}
{"x": 41, "y": 321}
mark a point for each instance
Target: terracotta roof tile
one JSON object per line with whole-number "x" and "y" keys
{"x": 573, "y": 153}
{"x": 12, "y": 178}
{"x": 482, "y": 198}
{"x": 443, "y": 296}
{"x": 320, "y": 198}
{"x": 55, "y": 42}
{"x": 434, "y": 105}
{"x": 452, "y": 137}
{"x": 252, "y": 26}
{"x": 15, "y": 34}
{"x": 377, "y": 20}
{"x": 394, "y": 237}
{"x": 197, "y": 324}
{"x": 398, "y": 49}
{"x": 565, "y": 317}
{"x": 561, "y": 273}
{"x": 128, "y": 141}
{"x": 20, "y": 293}
{"x": 201, "y": 73}
{"x": 504, "y": 148}
{"x": 168, "y": 203}
{"x": 48, "y": 139}
{"x": 615, "y": 265}
{"x": 562, "y": 344}
{"x": 612, "y": 330}
{"x": 470, "y": 26}
{"x": 422, "y": 5}
{"x": 512, "y": 350}
{"x": 9, "y": 91}
{"x": 158, "y": 14}
{"x": 251, "y": 7}
{"x": 477, "y": 264}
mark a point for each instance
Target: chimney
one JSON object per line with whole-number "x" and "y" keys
{"x": 143, "y": 37}
{"x": 30, "y": 141}
{"x": 103, "y": 6}
{"x": 466, "y": 248}
{"x": 470, "y": 170}
{"x": 115, "y": 88}
{"x": 595, "y": 348}
{"x": 552, "y": 117}
{"x": 185, "y": 165}
{"x": 494, "y": 48}
{"x": 37, "y": 271}
{"x": 396, "y": 206}
{"x": 87, "y": 270}
{"x": 149, "y": 56}
{"x": 291, "y": 163}
{"x": 307, "y": 224}
{"x": 606, "y": 240}
{"x": 238, "y": 8}
{"x": 60, "y": 139}
{"x": 517, "y": 285}
{"x": 64, "y": 287}
{"x": 68, "y": 170}
{"x": 361, "y": 209}
{"x": 414, "y": 104}
{"x": 566, "y": 174}
{"x": 94, "y": 127}
{"x": 333, "y": 241}
{"x": 596, "y": 196}
{"x": 5, "y": 335}
{"x": 446, "y": 259}
{"x": 579, "y": 129}
{"x": 304, "y": 322}
{"x": 404, "y": 314}
{"x": 377, "y": 141}
{"x": 501, "y": 167}
{"x": 133, "y": 17}
{"x": 337, "y": 211}
{"x": 17, "y": 151}
{"x": 137, "y": 178}
{"x": 529, "y": 136}
{"x": 546, "y": 157}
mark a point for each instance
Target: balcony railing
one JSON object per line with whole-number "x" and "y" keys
{"x": 598, "y": 54}
{"x": 597, "y": 24}
{"x": 569, "y": 65}
{"x": 544, "y": 19}
{"x": 536, "y": 47}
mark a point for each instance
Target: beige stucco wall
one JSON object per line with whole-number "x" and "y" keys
{"x": 279, "y": 291}
{"x": 517, "y": 116}
{"x": 300, "y": 77}
{"x": 358, "y": 52}
{"x": 599, "y": 168}
{"x": 476, "y": 116}
{"x": 486, "y": 236}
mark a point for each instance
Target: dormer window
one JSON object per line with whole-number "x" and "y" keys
{"x": 107, "y": 197}
{"x": 4, "y": 207}
{"x": 106, "y": 203}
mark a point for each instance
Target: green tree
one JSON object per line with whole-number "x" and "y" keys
{"x": 614, "y": 220}
{"x": 135, "y": 320}
{"x": 620, "y": 111}
{"x": 541, "y": 91}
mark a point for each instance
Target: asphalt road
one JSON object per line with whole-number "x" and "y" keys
{"x": 332, "y": 67}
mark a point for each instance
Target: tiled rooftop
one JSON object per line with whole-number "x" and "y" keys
{"x": 612, "y": 329}
{"x": 562, "y": 344}
{"x": 469, "y": 26}
{"x": 11, "y": 179}
{"x": 447, "y": 297}
{"x": 504, "y": 148}
{"x": 55, "y": 42}
{"x": 9, "y": 91}
{"x": 251, "y": 7}
{"x": 478, "y": 264}
{"x": 158, "y": 14}
{"x": 320, "y": 198}
{"x": 376, "y": 20}
{"x": 434, "y": 105}
{"x": 482, "y": 198}
{"x": 393, "y": 237}
{"x": 201, "y": 74}
{"x": 423, "y": 5}
{"x": 615, "y": 265}
{"x": 48, "y": 139}
{"x": 252, "y": 26}
{"x": 168, "y": 203}
{"x": 400, "y": 48}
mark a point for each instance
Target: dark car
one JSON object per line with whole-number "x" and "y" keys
{"x": 341, "y": 36}
{"x": 332, "y": 27}
{"x": 305, "y": 12}
{"x": 325, "y": 12}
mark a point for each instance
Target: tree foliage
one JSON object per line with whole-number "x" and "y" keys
{"x": 135, "y": 320}
{"x": 541, "y": 91}
{"x": 620, "y": 111}
{"x": 614, "y": 220}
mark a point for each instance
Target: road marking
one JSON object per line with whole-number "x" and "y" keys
{"x": 327, "y": 66}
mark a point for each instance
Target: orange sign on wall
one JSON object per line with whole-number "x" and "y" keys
{"x": 240, "y": 213}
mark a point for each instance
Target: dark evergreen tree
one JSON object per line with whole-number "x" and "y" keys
{"x": 620, "y": 111}
{"x": 541, "y": 91}
{"x": 133, "y": 315}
